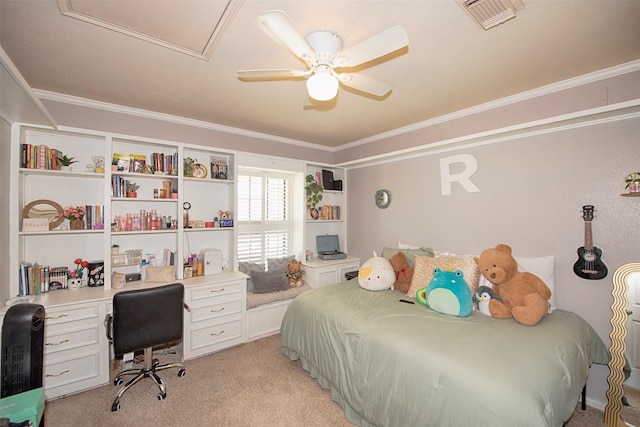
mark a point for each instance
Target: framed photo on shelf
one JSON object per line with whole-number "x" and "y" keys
{"x": 219, "y": 168}
{"x": 198, "y": 170}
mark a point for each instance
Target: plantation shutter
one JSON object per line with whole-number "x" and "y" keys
{"x": 263, "y": 217}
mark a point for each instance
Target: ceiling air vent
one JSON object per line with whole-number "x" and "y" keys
{"x": 489, "y": 13}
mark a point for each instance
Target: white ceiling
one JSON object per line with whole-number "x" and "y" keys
{"x": 186, "y": 65}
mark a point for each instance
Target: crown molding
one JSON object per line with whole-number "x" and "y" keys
{"x": 524, "y": 96}
{"x": 606, "y": 73}
{"x": 594, "y": 116}
{"x": 120, "y": 109}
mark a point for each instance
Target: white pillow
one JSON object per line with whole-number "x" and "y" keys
{"x": 401, "y": 245}
{"x": 543, "y": 267}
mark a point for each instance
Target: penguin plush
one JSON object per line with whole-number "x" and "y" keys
{"x": 483, "y": 295}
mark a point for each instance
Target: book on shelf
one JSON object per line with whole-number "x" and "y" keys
{"x": 169, "y": 257}
{"x": 94, "y": 217}
{"x": 137, "y": 162}
{"x": 122, "y": 161}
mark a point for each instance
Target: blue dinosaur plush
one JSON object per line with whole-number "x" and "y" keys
{"x": 447, "y": 293}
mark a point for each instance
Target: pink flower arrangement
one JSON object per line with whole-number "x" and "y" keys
{"x": 72, "y": 213}
{"x": 80, "y": 266}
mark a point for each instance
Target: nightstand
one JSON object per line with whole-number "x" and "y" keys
{"x": 319, "y": 273}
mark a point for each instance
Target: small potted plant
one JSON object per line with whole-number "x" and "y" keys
{"x": 313, "y": 192}
{"x": 633, "y": 182}
{"x": 65, "y": 162}
{"x": 115, "y": 249}
{"x": 187, "y": 164}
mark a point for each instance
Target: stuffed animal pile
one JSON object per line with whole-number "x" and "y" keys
{"x": 402, "y": 270}
{"x": 295, "y": 273}
{"x": 525, "y": 297}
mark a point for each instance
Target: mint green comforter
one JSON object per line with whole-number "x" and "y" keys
{"x": 389, "y": 363}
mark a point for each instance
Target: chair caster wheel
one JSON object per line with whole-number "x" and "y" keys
{"x": 162, "y": 396}
{"x": 155, "y": 362}
{"x": 118, "y": 381}
{"x": 182, "y": 373}
{"x": 115, "y": 407}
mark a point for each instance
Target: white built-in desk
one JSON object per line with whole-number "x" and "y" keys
{"x": 76, "y": 348}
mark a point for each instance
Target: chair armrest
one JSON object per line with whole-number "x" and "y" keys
{"x": 108, "y": 325}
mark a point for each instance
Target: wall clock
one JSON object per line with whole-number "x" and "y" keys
{"x": 383, "y": 199}
{"x": 198, "y": 170}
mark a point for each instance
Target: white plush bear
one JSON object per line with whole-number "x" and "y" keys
{"x": 376, "y": 274}
{"x": 97, "y": 166}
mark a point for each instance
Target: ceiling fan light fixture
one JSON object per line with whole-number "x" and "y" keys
{"x": 322, "y": 86}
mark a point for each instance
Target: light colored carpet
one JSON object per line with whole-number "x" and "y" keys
{"x": 250, "y": 385}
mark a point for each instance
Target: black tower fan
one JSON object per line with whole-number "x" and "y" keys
{"x": 22, "y": 348}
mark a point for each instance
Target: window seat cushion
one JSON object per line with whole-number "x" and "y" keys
{"x": 254, "y": 300}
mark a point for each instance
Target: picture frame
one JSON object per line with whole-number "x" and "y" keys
{"x": 43, "y": 208}
{"x": 198, "y": 170}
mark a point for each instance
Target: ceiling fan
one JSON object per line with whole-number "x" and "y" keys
{"x": 322, "y": 53}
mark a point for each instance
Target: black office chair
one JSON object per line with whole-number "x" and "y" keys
{"x": 143, "y": 319}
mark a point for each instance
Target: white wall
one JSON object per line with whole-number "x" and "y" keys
{"x": 5, "y": 167}
{"x": 531, "y": 195}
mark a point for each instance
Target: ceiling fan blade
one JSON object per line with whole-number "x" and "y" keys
{"x": 381, "y": 44}
{"x": 266, "y": 74}
{"x": 365, "y": 84}
{"x": 278, "y": 24}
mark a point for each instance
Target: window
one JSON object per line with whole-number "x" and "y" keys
{"x": 264, "y": 215}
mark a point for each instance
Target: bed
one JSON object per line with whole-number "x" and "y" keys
{"x": 390, "y": 363}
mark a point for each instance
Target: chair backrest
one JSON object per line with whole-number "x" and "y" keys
{"x": 147, "y": 317}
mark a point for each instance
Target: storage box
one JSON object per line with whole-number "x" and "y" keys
{"x": 28, "y": 405}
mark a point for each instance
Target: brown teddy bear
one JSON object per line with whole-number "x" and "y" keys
{"x": 295, "y": 273}
{"x": 403, "y": 271}
{"x": 525, "y": 296}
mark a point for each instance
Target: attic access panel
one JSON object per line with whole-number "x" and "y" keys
{"x": 190, "y": 27}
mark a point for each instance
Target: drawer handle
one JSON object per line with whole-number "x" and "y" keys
{"x": 217, "y": 311}
{"x": 57, "y": 317}
{"x": 217, "y": 290}
{"x": 57, "y": 343}
{"x": 66, "y": 371}
{"x": 213, "y": 334}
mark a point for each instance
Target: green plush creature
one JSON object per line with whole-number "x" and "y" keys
{"x": 447, "y": 293}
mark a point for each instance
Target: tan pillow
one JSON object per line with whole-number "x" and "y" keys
{"x": 159, "y": 274}
{"x": 424, "y": 266}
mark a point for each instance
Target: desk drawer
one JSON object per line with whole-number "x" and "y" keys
{"x": 216, "y": 335}
{"x": 71, "y": 374}
{"x": 60, "y": 315}
{"x": 217, "y": 290}
{"x": 216, "y": 309}
{"x": 71, "y": 338}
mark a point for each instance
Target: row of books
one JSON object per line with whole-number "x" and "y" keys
{"x": 157, "y": 162}
{"x": 35, "y": 279}
{"x": 120, "y": 186}
{"x": 94, "y": 217}
{"x": 329, "y": 212}
{"x": 38, "y": 157}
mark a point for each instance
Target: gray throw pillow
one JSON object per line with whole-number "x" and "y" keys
{"x": 280, "y": 264}
{"x": 249, "y": 268}
{"x": 269, "y": 281}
